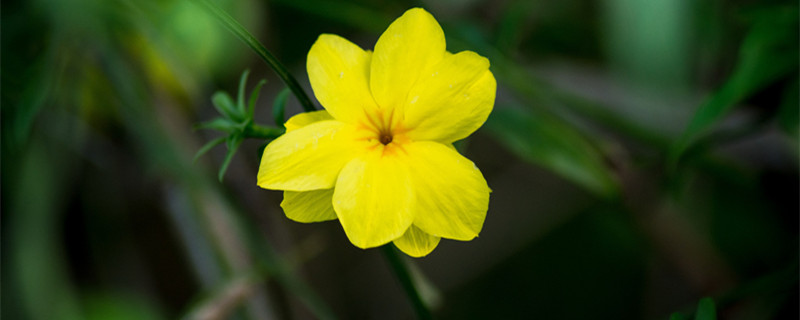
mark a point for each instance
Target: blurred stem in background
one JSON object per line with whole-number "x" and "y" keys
{"x": 221, "y": 249}
{"x": 242, "y": 33}
{"x": 241, "y": 253}
{"x": 401, "y": 270}
{"x": 37, "y": 271}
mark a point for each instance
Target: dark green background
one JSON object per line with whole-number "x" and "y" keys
{"x": 642, "y": 155}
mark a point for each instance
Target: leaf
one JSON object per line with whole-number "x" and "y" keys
{"x": 237, "y": 29}
{"x": 233, "y": 144}
{"x": 279, "y": 107}
{"x": 220, "y": 124}
{"x": 554, "y": 145}
{"x": 253, "y": 98}
{"x": 706, "y": 310}
{"x": 240, "y": 97}
{"x": 208, "y": 146}
{"x": 768, "y": 54}
{"x": 225, "y": 105}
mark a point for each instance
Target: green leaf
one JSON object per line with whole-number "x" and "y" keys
{"x": 240, "y": 97}
{"x": 768, "y": 54}
{"x": 220, "y": 124}
{"x": 208, "y": 146}
{"x": 233, "y": 144}
{"x": 279, "y": 107}
{"x": 253, "y": 98}
{"x": 404, "y": 276}
{"x": 225, "y": 105}
{"x": 242, "y": 33}
{"x": 706, "y": 310}
{"x": 547, "y": 142}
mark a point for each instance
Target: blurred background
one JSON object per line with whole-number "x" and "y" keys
{"x": 642, "y": 154}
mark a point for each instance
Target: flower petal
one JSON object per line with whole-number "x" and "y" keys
{"x": 309, "y": 206}
{"x": 303, "y": 119}
{"x": 416, "y": 243}
{"x": 406, "y": 50}
{"x": 308, "y": 158}
{"x": 339, "y": 74}
{"x": 453, "y": 101}
{"x": 452, "y": 195}
{"x": 373, "y": 199}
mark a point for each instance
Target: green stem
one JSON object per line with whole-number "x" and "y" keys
{"x": 242, "y": 33}
{"x": 401, "y": 270}
{"x": 262, "y": 132}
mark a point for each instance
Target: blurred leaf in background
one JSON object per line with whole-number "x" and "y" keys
{"x": 96, "y": 163}
{"x": 768, "y": 54}
{"x": 545, "y": 141}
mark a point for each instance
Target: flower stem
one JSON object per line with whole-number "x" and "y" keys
{"x": 242, "y": 33}
{"x": 401, "y": 270}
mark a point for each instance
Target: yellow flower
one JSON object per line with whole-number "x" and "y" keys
{"x": 380, "y": 156}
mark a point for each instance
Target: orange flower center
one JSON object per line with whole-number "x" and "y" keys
{"x": 384, "y": 127}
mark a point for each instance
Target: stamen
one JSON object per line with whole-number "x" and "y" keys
{"x": 386, "y": 138}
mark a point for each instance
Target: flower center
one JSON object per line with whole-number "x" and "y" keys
{"x": 386, "y": 138}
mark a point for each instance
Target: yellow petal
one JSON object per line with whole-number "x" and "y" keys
{"x": 416, "y": 243}
{"x": 303, "y": 119}
{"x": 373, "y": 199}
{"x": 309, "y": 206}
{"x": 406, "y": 50}
{"x": 339, "y": 74}
{"x": 452, "y": 195}
{"x": 308, "y": 158}
{"x": 453, "y": 100}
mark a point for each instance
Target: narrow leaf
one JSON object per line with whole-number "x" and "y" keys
{"x": 240, "y": 97}
{"x": 233, "y": 146}
{"x": 279, "y": 107}
{"x": 225, "y": 105}
{"x": 208, "y": 146}
{"x": 768, "y": 54}
{"x": 220, "y": 124}
{"x": 547, "y": 142}
{"x": 242, "y": 33}
{"x": 253, "y": 98}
